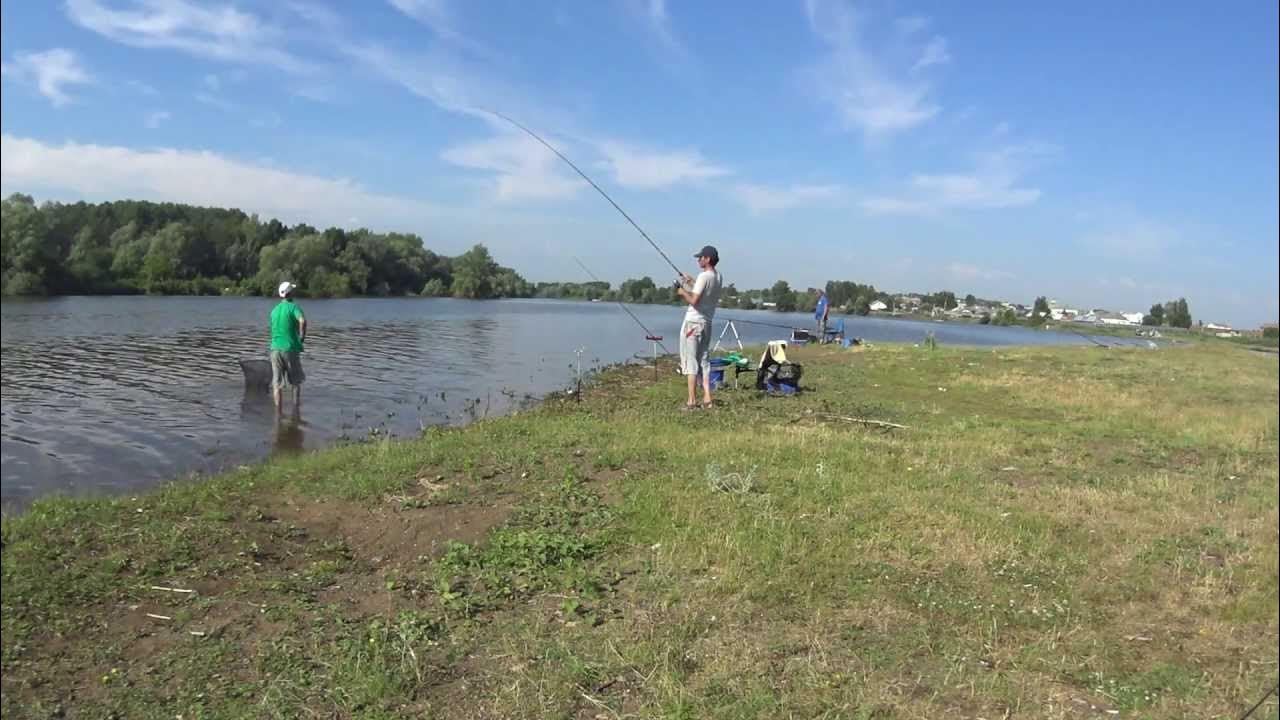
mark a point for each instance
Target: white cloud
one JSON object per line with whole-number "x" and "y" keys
{"x": 141, "y": 87}
{"x": 521, "y": 168}
{"x": 935, "y": 53}
{"x": 156, "y": 119}
{"x": 642, "y": 169}
{"x": 970, "y": 272}
{"x": 1136, "y": 240}
{"x": 975, "y": 190}
{"x": 761, "y": 199}
{"x": 886, "y": 205}
{"x": 993, "y": 183}
{"x": 440, "y": 17}
{"x": 866, "y": 91}
{"x": 438, "y": 79}
{"x": 219, "y": 32}
{"x": 100, "y": 172}
{"x": 653, "y": 15}
{"x": 911, "y": 24}
{"x": 215, "y": 101}
{"x": 52, "y": 71}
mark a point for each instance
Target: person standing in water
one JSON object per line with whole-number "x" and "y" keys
{"x": 288, "y": 332}
{"x": 703, "y": 295}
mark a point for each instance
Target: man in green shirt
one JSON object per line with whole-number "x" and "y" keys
{"x": 288, "y": 331}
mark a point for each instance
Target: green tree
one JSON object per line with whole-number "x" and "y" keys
{"x": 970, "y": 300}
{"x": 435, "y": 287}
{"x": 782, "y": 296}
{"x": 28, "y": 260}
{"x": 1180, "y": 317}
{"x": 1004, "y": 317}
{"x": 168, "y": 255}
{"x": 862, "y": 306}
{"x": 473, "y": 274}
{"x": 1155, "y": 316}
{"x": 1040, "y": 311}
{"x": 634, "y": 290}
{"x": 90, "y": 259}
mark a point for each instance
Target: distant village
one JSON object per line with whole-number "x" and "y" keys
{"x": 972, "y": 309}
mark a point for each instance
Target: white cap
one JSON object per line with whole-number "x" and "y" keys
{"x": 286, "y": 287}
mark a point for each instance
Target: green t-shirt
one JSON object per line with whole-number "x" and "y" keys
{"x": 284, "y": 327}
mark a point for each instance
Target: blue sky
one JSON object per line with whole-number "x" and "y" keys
{"x": 1107, "y": 155}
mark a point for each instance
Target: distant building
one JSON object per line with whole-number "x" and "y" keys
{"x": 878, "y": 306}
{"x": 1134, "y": 318}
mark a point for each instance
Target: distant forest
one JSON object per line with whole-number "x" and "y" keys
{"x": 130, "y": 246}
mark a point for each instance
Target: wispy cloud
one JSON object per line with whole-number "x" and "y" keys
{"x": 155, "y": 119}
{"x": 970, "y": 272}
{"x": 52, "y": 71}
{"x": 762, "y": 199}
{"x": 101, "y": 172}
{"x": 215, "y": 101}
{"x": 436, "y": 78}
{"x": 219, "y": 32}
{"x": 646, "y": 169}
{"x": 935, "y": 53}
{"x": 1134, "y": 240}
{"x": 654, "y": 18}
{"x": 994, "y": 182}
{"x": 518, "y": 168}
{"x": 911, "y": 24}
{"x": 869, "y": 92}
{"x": 441, "y": 17}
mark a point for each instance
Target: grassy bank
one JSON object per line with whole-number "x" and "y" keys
{"x": 1058, "y": 532}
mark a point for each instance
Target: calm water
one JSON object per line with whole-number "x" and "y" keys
{"x": 110, "y": 395}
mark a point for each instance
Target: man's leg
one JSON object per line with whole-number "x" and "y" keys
{"x": 689, "y": 361}
{"x": 278, "y": 376}
{"x": 704, "y": 362}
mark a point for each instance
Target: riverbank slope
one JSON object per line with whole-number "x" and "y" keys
{"x": 1057, "y": 532}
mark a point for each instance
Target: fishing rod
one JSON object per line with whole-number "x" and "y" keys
{"x": 766, "y": 324}
{"x": 1086, "y": 337}
{"x": 648, "y": 334}
{"x": 592, "y": 183}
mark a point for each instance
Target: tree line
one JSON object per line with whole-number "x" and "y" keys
{"x": 132, "y": 246}
{"x": 172, "y": 249}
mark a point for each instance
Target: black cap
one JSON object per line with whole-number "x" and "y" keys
{"x": 708, "y": 251}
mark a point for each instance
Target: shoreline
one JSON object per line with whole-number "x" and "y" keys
{"x": 785, "y": 561}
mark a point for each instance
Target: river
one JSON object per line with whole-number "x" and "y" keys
{"x": 110, "y": 395}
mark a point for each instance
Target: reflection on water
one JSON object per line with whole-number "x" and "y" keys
{"x": 289, "y": 433}
{"x": 108, "y": 395}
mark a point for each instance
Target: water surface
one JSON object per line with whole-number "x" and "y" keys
{"x": 114, "y": 394}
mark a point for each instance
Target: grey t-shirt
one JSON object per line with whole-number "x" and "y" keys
{"x": 707, "y": 288}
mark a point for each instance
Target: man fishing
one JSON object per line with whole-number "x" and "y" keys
{"x": 703, "y": 295}
{"x": 288, "y": 332}
{"x": 820, "y": 312}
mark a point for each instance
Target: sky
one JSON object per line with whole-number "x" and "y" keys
{"x": 1106, "y": 155}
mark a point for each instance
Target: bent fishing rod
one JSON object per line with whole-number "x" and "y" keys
{"x": 593, "y": 184}
{"x": 648, "y": 334}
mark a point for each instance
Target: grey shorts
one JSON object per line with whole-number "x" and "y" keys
{"x": 695, "y": 348}
{"x": 286, "y": 369}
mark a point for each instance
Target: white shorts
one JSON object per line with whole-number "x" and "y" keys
{"x": 695, "y": 347}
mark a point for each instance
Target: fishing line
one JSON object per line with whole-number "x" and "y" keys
{"x": 592, "y": 183}
{"x": 647, "y": 332}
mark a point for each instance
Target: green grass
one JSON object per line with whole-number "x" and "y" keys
{"x": 1058, "y": 532}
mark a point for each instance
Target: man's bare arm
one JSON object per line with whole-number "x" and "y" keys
{"x": 302, "y": 329}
